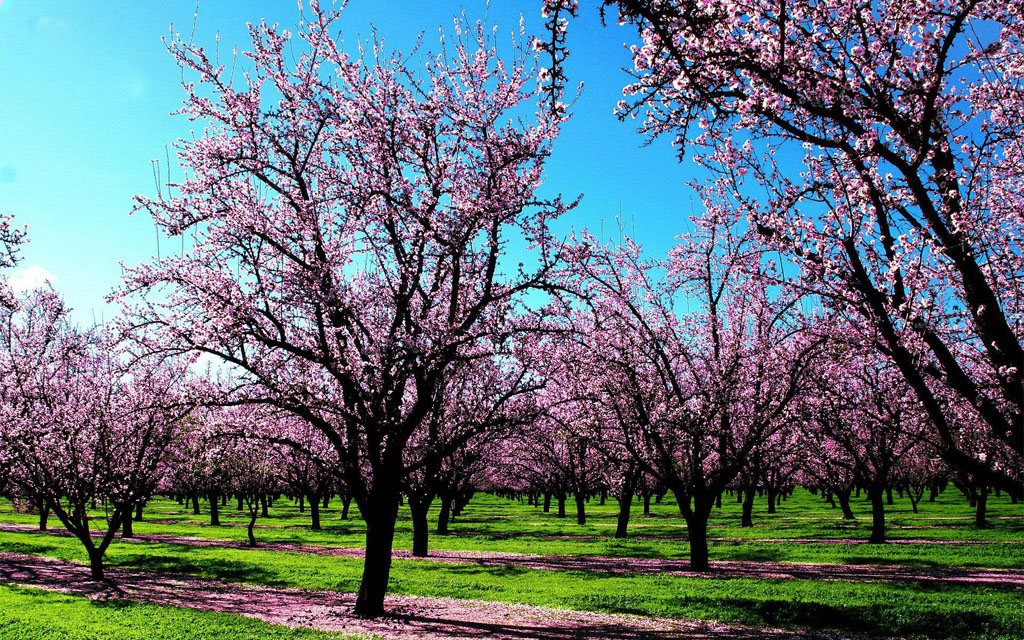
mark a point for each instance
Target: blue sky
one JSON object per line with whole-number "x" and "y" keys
{"x": 87, "y": 88}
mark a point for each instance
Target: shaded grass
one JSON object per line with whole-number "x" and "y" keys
{"x": 35, "y": 614}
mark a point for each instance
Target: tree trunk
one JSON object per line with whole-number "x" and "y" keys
{"x": 95, "y": 564}
{"x": 547, "y": 502}
{"x": 442, "y": 517}
{"x": 253, "y": 512}
{"x": 876, "y": 494}
{"x": 604, "y": 496}
{"x": 830, "y": 499}
{"x": 314, "y": 512}
{"x": 419, "y": 507}
{"x": 346, "y": 502}
{"x": 44, "y": 514}
{"x": 214, "y": 510}
{"x": 561, "y": 504}
{"x": 844, "y": 504}
{"x": 647, "y": 504}
{"x": 581, "y": 509}
{"x": 625, "y": 504}
{"x": 195, "y": 504}
{"x": 264, "y": 506}
{"x": 126, "y": 527}
{"x": 138, "y": 510}
{"x": 747, "y": 518}
{"x": 302, "y": 503}
{"x": 888, "y": 496}
{"x": 380, "y": 536}
{"x": 979, "y": 513}
{"x": 327, "y": 501}
{"x": 241, "y": 506}
{"x": 696, "y": 529}
{"x": 915, "y": 496}
{"x": 718, "y": 501}
{"x": 771, "y": 500}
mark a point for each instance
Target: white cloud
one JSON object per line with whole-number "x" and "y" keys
{"x": 30, "y": 278}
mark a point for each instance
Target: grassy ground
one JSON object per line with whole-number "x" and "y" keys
{"x": 493, "y": 524}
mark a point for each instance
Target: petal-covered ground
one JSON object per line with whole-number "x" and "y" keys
{"x": 627, "y": 566}
{"x": 410, "y": 616}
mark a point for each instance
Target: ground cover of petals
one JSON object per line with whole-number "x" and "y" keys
{"x": 409, "y": 616}
{"x": 626, "y": 566}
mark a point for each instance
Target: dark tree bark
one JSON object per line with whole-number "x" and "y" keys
{"x": 249, "y": 529}
{"x": 314, "y": 512}
{"x": 561, "y": 504}
{"x": 442, "y": 517}
{"x": 844, "y": 504}
{"x": 420, "y": 528}
{"x": 696, "y": 518}
{"x": 876, "y": 494}
{"x": 581, "y": 509}
{"x": 214, "y": 509}
{"x": 96, "y": 564}
{"x": 380, "y": 512}
{"x": 625, "y": 503}
{"x": 979, "y": 509}
{"x": 747, "y": 517}
{"x": 915, "y": 495}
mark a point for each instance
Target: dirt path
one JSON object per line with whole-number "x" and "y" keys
{"x": 621, "y": 566}
{"x": 411, "y": 616}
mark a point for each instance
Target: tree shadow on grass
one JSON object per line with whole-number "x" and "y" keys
{"x": 748, "y": 554}
{"x": 29, "y": 548}
{"x": 861, "y": 560}
{"x": 871, "y": 619}
{"x": 218, "y": 568}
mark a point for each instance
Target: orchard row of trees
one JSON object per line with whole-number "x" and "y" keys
{"x": 367, "y": 252}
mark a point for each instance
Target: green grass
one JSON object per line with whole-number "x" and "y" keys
{"x": 904, "y": 608}
{"x": 34, "y": 614}
{"x": 493, "y": 524}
